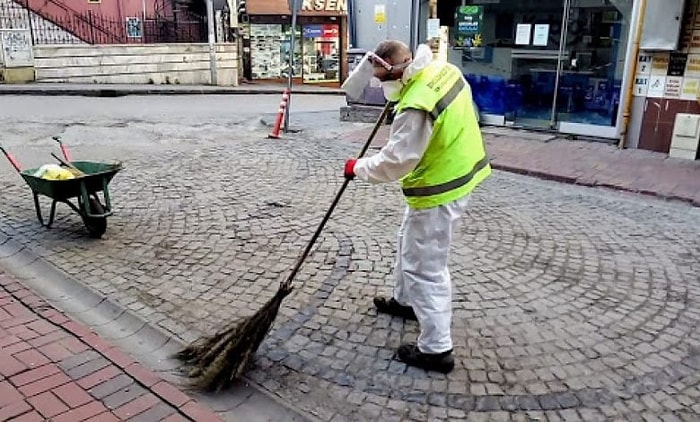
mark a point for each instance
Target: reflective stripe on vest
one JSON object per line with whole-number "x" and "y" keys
{"x": 455, "y": 161}
{"x": 447, "y": 99}
{"x": 448, "y": 186}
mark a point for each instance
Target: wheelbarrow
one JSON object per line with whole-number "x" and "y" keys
{"x": 90, "y": 179}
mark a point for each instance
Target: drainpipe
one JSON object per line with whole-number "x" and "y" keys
{"x": 633, "y": 72}
{"x": 352, "y": 23}
{"x": 415, "y": 22}
{"x": 212, "y": 43}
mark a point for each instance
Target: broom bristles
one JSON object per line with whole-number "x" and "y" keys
{"x": 217, "y": 361}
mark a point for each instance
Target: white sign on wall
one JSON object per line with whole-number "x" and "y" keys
{"x": 657, "y": 86}
{"x": 673, "y": 87}
{"x": 641, "y": 85}
{"x": 433, "y": 28}
{"x": 541, "y": 36}
{"x": 644, "y": 64}
{"x": 16, "y": 46}
{"x": 690, "y": 88}
{"x": 522, "y": 34}
{"x": 379, "y": 13}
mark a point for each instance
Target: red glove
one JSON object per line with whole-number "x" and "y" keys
{"x": 350, "y": 169}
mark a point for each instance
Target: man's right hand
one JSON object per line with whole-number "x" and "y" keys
{"x": 350, "y": 169}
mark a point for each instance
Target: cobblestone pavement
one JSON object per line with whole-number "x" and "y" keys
{"x": 569, "y": 302}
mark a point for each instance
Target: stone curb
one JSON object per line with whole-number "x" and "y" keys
{"x": 121, "y": 92}
{"x": 591, "y": 184}
{"x": 148, "y": 379}
{"x": 146, "y": 343}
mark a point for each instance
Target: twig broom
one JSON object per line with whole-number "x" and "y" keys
{"x": 215, "y": 362}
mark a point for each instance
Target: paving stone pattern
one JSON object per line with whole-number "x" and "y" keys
{"x": 54, "y": 369}
{"x": 569, "y": 302}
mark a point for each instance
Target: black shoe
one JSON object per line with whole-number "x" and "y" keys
{"x": 439, "y": 362}
{"x": 392, "y": 307}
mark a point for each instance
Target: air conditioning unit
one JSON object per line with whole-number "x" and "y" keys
{"x": 686, "y": 136}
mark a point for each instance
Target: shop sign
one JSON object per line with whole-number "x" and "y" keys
{"x": 134, "y": 29}
{"x": 692, "y": 68}
{"x": 691, "y": 86}
{"x": 325, "y": 6}
{"x": 644, "y": 64}
{"x": 659, "y": 63}
{"x": 677, "y": 63}
{"x": 641, "y": 85}
{"x": 673, "y": 87}
{"x": 313, "y": 31}
{"x": 657, "y": 85}
{"x": 320, "y": 31}
{"x": 468, "y": 24}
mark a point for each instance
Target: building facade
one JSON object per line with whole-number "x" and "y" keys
{"x": 615, "y": 69}
{"x": 321, "y": 40}
{"x": 544, "y": 64}
{"x": 667, "y": 78}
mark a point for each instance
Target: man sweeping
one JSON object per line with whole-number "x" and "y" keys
{"x": 435, "y": 149}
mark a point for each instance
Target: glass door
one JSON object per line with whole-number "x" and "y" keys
{"x": 538, "y": 55}
{"x": 590, "y": 79}
{"x": 549, "y": 64}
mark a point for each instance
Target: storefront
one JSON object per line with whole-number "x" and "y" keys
{"x": 552, "y": 64}
{"x": 319, "y": 46}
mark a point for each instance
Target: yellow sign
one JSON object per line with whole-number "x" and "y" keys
{"x": 379, "y": 13}
{"x": 325, "y": 6}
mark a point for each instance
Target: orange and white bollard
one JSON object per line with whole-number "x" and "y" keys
{"x": 275, "y": 134}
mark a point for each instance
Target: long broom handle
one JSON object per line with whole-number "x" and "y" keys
{"x": 287, "y": 284}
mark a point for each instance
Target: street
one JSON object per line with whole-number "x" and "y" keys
{"x": 569, "y": 302}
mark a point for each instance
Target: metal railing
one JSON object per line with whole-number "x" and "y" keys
{"x": 69, "y": 26}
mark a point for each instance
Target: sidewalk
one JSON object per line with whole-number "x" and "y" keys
{"x": 118, "y": 90}
{"x": 584, "y": 163}
{"x": 53, "y": 368}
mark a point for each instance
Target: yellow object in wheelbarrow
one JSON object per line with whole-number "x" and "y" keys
{"x": 53, "y": 172}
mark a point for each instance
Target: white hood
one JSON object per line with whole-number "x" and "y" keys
{"x": 422, "y": 58}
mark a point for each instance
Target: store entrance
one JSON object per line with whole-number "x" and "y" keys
{"x": 552, "y": 64}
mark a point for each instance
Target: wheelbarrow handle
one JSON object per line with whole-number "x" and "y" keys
{"x": 64, "y": 150}
{"x": 12, "y": 160}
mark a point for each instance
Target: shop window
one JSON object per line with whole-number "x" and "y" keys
{"x": 269, "y": 45}
{"x": 321, "y": 53}
{"x": 265, "y": 51}
{"x": 513, "y": 67}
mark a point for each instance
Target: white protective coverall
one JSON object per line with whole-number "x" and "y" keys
{"x": 422, "y": 279}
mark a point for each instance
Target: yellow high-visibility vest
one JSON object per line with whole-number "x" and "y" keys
{"x": 455, "y": 160}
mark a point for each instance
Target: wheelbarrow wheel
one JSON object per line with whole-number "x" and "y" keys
{"x": 96, "y": 226}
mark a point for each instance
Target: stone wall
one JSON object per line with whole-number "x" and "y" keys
{"x": 186, "y": 64}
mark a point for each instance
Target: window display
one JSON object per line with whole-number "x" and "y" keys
{"x": 270, "y": 42}
{"x": 321, "y": 53}
{"x": 513, "y": 56}
{"x": 265, "y": 42}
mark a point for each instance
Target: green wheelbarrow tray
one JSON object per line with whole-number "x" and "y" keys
{"x": 84, "y": 188}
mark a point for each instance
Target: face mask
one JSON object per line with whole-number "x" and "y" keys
{"x": 392, "y": 89}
